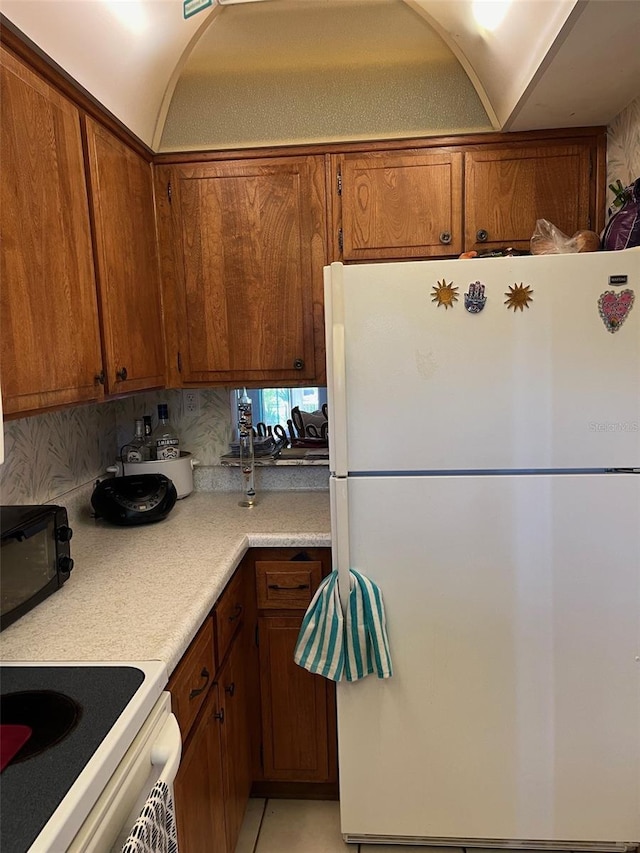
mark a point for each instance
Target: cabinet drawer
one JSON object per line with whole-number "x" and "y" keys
{"x": 287, "y": 585}
{"x": 229, "y": 613}
{"x": 190, "y": 681}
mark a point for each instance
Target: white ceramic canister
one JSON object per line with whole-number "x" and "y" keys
{"x": 180, "y": 471}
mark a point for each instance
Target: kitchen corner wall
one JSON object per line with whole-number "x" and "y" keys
{"x": 50, "y": 455}
{"x": 623, "y": 147}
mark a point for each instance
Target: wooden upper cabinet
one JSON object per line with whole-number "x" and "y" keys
{"x": 244, "y": 270}
{"x": 121, "y": 183}
{"x": 399, "y": 204}
{"x": 508, "y": 189}
{"x": 48, "y": 313}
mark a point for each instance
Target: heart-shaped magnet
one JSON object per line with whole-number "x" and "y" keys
{"x": 615, "y": 307}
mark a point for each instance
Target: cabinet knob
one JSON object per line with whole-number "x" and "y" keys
{"x": 219, "y": 715}
{"x": 298, "y": 363}
{"x": 121, "y": 374}
{"x": 481, "y": 235}
{"x": 445, "y": 237}
{"x": 230, "y": 688}
{"x": 99, "y": 378}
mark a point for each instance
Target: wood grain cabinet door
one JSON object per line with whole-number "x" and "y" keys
{"x": 199, "y": 788}
{"x": 399, "y": 204}
{"x": 127, "y": 262}
{"x": 295, "y": 707}
{"x": 249, "y": 247}
{"x": 48, "y": 310}
{"x": 508, "y": 189}
{"x": 234, "y": 691}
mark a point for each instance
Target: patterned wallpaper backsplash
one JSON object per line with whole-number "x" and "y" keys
{"x": 48, "y": 455}
{"x": 623, "y": 147}
{"x": 51, "y": 454}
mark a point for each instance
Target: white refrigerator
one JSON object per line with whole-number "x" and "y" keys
{"x": 484, "y": 422}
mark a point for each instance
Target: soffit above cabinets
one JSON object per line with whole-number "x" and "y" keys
{"x": 556, "y": 63}
{"x": 292, "y": 72}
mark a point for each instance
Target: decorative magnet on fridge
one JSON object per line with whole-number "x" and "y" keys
{"x": 518, "y": 296}
{"x": 614, "y": 307}
{"x": 474, "y": 299}
{"x": 445, "y": 294}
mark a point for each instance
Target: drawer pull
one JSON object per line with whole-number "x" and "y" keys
{"x": 238, "y": 612}
{"x": 277, "y": 586}
{"x": 198, "y": 690}
{"x": 230, "y": 688}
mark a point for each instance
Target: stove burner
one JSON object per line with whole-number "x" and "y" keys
{"x": 50, "y": 715}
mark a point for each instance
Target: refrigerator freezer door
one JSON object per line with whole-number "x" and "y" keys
{"x": 542, "y": 387}
{"x": 513, "y": 613}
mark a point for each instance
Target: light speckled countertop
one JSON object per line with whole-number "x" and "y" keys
{"x": 141, "y": 593}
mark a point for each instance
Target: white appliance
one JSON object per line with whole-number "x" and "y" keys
{"x": 486, "y": 475}
{"x": 96, "y": 807}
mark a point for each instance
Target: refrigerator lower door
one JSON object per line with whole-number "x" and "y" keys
{"x": 513, "y": 613}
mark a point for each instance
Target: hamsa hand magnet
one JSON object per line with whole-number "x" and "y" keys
{"x": 474, "y": 299}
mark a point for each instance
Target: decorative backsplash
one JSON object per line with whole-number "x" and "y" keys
{"x": 623, "y": 147}
{"x": 51, "y": 454}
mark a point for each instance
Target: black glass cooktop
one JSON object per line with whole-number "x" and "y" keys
{"x": 70, "y": 710}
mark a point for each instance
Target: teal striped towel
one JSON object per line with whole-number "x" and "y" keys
{"x": 350, "y": 646}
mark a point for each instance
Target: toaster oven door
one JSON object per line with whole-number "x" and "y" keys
{"x": 32, "y": 566}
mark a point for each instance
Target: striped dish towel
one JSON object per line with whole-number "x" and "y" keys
{"x": 320, "y": 644}
{"x": 366, "y": 641}
{"x": 337, "y": 647}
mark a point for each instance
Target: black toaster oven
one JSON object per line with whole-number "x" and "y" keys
{"x": 35, "y": 558}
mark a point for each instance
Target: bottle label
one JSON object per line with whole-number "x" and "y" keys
{"x": 133, "y": 455}
{"x": 167, "y": 448}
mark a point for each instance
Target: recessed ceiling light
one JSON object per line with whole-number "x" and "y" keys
{"x": 490, "y": 13}
{"x": 132, "y": 15}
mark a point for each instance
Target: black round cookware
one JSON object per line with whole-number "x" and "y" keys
{"x": 134, "y": 499}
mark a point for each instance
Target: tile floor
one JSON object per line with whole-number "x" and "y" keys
{"x": 306, "y": 826}
{"x": 313, "y": 826}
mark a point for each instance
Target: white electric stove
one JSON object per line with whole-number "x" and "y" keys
{"x": 102, "y": 734}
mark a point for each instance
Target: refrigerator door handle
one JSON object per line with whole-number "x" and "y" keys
{"x": 338, "y": 488}
{"x": 336, "y": 369}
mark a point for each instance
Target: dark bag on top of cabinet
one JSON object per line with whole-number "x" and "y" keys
{"x": 623, "y": 229}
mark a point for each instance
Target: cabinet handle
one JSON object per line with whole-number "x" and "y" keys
{"x": 231, "y": 688}
{"x": 298, "y": 363}
{"x": 277, "y": 586}
{"x": 445, "y": 237}
{"x": 219, "y": 715}
{"x": 99, "y": 378}
{"x": 121, "y": 374}
{"x": 482, "y": 236}
{"x": 236, "y": 615}
{"x": 198, "y": 690}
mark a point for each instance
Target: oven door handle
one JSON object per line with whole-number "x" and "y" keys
{"x": 167, "y": 749}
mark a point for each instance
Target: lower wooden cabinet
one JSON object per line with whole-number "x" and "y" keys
{"x": 234, "y": 695}
{"x": 214, "y": 781}
{"x": 298, "y": 731}
{"x": 199, "y": 789}
{"x": 251, "y": 719}
{"x": 295, "y": 707}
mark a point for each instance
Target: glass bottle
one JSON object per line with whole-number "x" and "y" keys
{"x": 164, "y": 438}
{"x": 148, "y": 429}
{"x": 137, "y": 450}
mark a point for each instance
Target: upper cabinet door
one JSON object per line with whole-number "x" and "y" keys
{"x": 248, "y": 246}
{"x": 399, "y": 204}
{"x": 127, "y": 262}
{"x": 48, "y": 312}
{"x": 508, "y": 189}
